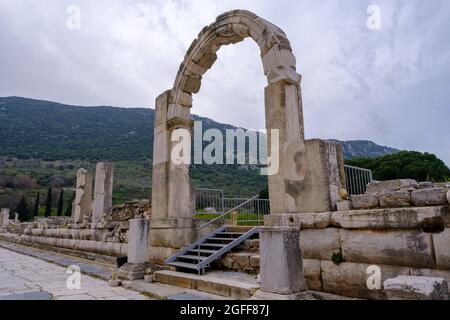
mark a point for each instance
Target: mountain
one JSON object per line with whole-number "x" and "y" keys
{"x": 54, "y": 131}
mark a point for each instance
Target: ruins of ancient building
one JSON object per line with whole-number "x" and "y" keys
{"x": 317, "y": 237}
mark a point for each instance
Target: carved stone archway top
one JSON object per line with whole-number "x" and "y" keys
{"x": 278, "y": 61}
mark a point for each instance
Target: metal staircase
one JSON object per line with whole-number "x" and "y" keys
{"x": 201, "y": 253}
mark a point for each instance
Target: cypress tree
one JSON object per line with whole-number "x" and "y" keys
{"x": 60, "y": 212}
{"x": 36, "y": 206}
{"x": 48, "y": 203}
{"x": 68, "y": 211}
{"x": 23, "y": 210}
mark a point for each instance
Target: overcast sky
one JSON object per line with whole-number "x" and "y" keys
{"x": 390, "y": 85}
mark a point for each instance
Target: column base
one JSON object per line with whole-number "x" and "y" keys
{"x": 266, "y": 295}
{"x": 132, "y": 271}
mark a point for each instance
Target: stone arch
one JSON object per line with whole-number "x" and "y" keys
{"x": 173, "y": 226}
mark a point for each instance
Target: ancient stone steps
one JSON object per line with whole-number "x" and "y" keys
{"x": 229, "y": 288}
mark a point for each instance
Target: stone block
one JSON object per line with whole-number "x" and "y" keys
{"x": 426, "y": 185}
{"x": 278, "y": 57}
{"x": 149, "y": 278}
{"x": 319, "y": 244}
{"x": 254, "y": 261}
{"x": 352, "y": 279}
{"x": 448, "y": 196}
{"x": 391, "y": 185}
{"x": 416, "y": 288}
{"x": 138, "y": 241}
{"x": 433, "y": 273}
{"x": 83, "y": 196}
{"x": 365, "y": 201}
{"x": 441, "y": 243}
{"x": 344, "y": 205}
{"x": 281, "y": 260}
{"x": 393, "y": 218}
{"x": 429, "y": 197}
{"x": 411, "y": 248}
{"x": 395, "y": 199}
{"x": 312, "y": 274}
{"x": 319, "y": 191}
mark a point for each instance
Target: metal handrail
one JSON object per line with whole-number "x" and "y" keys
{"x": 217, "y": 218}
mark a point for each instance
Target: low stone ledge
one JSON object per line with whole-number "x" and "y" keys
{"x": 393, "y": 218}
{"x": 350, "y": 279}
{"x": 410, "y": 248}
{"x": 320, "y": 220}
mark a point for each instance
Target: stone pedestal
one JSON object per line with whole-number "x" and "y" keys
{"x": 83, "y": 196}
{"x": 102, "y": 191}
{"x": 4, "y": 217}
{"x": 281, "y": 268}
{"x": 138, "y": 250}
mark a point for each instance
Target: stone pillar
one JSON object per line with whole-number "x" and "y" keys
{"x": 138, "y": 250}
{"x": 102, "y": 191}
{"x": 281, "y": 266}
{"x": 172, "y": 211}
{"x": 16, "y": 218}
{"x": 83, "y": 196}
{"x": 4, "y": 217}
{"x": 284, "y": 113}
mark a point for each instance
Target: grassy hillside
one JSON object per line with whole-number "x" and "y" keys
{"x": 44, "y": 143}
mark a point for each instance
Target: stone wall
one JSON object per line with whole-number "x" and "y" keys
{"x": 339, "y": 247}
{"x": 108, "y": 237}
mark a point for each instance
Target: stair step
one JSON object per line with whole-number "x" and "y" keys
{"x": 222, "y": 239}
{"x": 231, "y": 233}
{"x": 230, "y": 288}
{"x": 203, "y": 251}
{"x": 184, "y": 265}
{"x": 212, "y": 245}
{"x": 192, "y": 257}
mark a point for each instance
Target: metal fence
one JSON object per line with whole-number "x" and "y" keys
{"x": 357, "y": 179}
{"x": 209, "y": 201}
{"x": 240, "y": 211}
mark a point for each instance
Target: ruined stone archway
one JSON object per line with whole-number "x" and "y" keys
{"x": 172, "y": 213}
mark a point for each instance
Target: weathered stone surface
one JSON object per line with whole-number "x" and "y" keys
{"x": 102, "y": 191}
{"x": 394, "y": 218}
{"x": 429, "y": 197}
{"x": 426, "y": 185}
{"x": 391, "y": 185}
{"x": 319, "y": 244}
{"x": 83, "y": 196}
{"x": 319, "y": 192}
{"x": 312, "y": 274}
{"x": 448, "y": 196}
{"x": 416, "y": 288}
{"x": 138, "y": 241}
{"x": 344, "y": 205}
{"x": 4, "y": 217}
{"x": 411, "y": 248}
{"x": 395, "y": 199}
{"x": 365, "y": 201}
{"x": 441, "y": 242}
{"x": 318, "y": 220}
{"x": 351, "y": 279}
{"x": 281, "y": 260}
{"x": 433, "y": 273}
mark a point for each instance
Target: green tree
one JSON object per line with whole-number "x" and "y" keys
{"x": 23, "y": 210}
{"x": 405, "y": 164}
{"x": 36, "y": 206}
{"x": 48, "y": 203}
{"x": 60, "y": 212}
{"x": 68, "y": 211}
